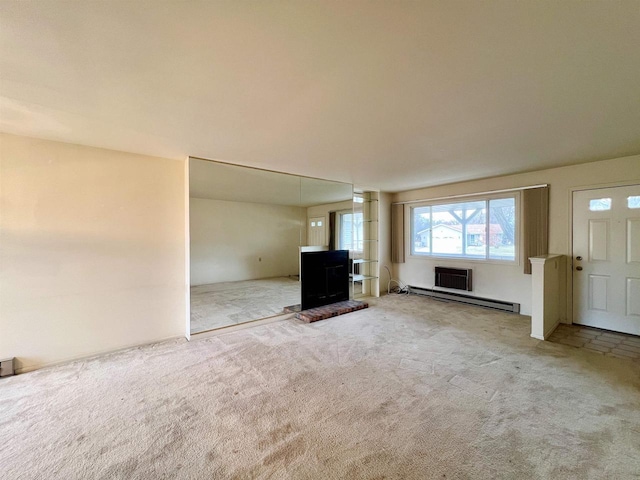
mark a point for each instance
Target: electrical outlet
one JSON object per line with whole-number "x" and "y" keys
{"x": 6, "y": 367}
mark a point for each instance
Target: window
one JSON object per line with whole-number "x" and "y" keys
{"x": 482, "y": 229}
{"x": 633, "y": 202}
{"x": 351, "y": 231}
{"x": 600, "y": 204}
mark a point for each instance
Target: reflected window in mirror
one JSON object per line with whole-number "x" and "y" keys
{"x": 351, "y": 231}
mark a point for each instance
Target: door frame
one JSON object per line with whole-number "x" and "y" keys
{"x": 626, "y": 183}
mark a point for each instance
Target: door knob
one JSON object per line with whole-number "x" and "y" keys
{"x": 579, "y": 268}
{"x": 578, "y": 258}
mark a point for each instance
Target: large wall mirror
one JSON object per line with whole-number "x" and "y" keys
{"x": 247, "y": 229}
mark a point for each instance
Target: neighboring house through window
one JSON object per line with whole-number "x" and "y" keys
{"x": 480, "y": 229}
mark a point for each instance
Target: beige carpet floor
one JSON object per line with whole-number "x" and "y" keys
{"x": 230, "y": 303}
{"x": 410, "y": 388}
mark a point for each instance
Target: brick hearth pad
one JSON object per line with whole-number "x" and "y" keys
{"x": 328, "y": 311}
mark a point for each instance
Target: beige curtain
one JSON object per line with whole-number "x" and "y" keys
{"x": 397, "y": 233}
{"x": 535, "y": 223}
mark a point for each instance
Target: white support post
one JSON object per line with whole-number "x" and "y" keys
{"x": 548, "y": 280}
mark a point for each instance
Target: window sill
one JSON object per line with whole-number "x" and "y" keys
{"x": 480, "y": 261}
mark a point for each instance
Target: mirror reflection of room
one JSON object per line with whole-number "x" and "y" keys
{"x": 248, "y": 228}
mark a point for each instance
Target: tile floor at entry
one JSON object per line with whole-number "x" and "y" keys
{"x": 601, "y": 341}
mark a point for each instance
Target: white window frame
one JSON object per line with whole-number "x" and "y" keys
{"x": 339, "y": 214}
{"x": 464, "y": 199}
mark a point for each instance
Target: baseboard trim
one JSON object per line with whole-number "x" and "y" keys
{"x": 468, "y": 299}
{"x": 240, "y": 326}
{"x": 550, "y": 331}
{"x": 31, "y": 368}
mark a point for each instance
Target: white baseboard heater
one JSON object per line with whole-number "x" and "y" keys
{"x": 468, "y": 299}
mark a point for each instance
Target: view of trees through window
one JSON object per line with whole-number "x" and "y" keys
{"x": 480, "y": 229}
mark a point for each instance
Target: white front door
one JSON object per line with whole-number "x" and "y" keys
{"x": 316, "y": 231}
{"x": 606, "y": 258}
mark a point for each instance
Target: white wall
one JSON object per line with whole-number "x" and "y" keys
{"x": 92, "y": 254}
{"x": 508, "y": 282}
{"x": 233, "y": 241}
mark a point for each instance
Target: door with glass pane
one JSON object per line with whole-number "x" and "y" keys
{"x": 606, "y": 258}
{"x": 316, "y": 231}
